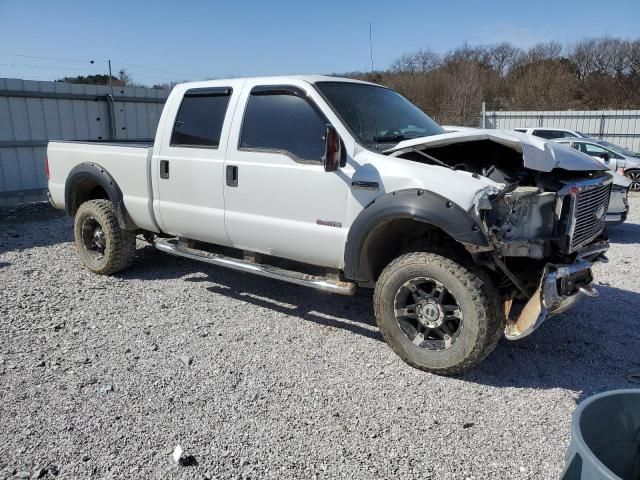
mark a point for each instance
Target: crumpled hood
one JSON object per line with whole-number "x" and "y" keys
{"x": 537, "y": 153}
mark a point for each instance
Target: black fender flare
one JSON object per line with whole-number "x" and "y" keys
{"x": 89, "y": 174}
{"x": 416, "y": 204}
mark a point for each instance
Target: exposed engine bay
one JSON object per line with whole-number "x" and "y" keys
{"x": 545, "y": 227}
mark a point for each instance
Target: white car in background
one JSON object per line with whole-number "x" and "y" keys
{"x": 552, "y": 133}
{"x": 617, "y": 158}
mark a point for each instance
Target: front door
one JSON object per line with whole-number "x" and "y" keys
{"x": 278, "y": 198}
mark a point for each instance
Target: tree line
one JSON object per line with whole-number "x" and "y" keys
{"x": 595, "y": 73}
{"x": 592, "y": 74}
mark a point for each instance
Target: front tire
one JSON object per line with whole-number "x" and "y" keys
{"x": 436, "y": 314}
{"x": 102, "y": 245}
{"x": 634, "y": 176}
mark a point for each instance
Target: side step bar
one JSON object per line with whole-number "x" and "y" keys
{"x": 321, "y": 283}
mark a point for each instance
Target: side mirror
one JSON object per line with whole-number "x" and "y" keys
{"x": 604, "y": 156}
{"x": 332, "y": 150}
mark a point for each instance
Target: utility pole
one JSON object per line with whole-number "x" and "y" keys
{"x": 110, "y": 85}
{"x": 484, "y": 115}
{"x": 371, "y": 44}
{"x": 110, "y": 106}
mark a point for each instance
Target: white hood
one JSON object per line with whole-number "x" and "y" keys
{"x": 537, "y": 153}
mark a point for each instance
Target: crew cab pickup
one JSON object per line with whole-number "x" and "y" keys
{"x": 340, "y": 184}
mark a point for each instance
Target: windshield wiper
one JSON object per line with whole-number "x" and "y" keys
{"x": 391, "y": 138}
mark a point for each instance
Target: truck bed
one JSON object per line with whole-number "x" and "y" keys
{"x": 129, "y": 164}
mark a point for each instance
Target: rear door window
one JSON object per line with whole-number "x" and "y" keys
{"x": 200, "y": 118}
{"x": 283, "y": 121}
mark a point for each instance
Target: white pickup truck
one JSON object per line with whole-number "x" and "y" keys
{"x": 337, "y": 184}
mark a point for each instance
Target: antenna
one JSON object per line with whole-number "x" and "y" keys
{"x": 371, "y": 44}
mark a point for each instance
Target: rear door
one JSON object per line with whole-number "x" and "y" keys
{"x": 279, "y": 200}
{"x": 189, "y": 167}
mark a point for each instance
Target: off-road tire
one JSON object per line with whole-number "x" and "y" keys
{"x": 483, "y": 319}
{"x": 120, "y": 245}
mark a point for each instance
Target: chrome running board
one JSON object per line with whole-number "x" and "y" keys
{"x": 173, "y": 247}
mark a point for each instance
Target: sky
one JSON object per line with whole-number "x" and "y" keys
{"x": 162, "y": 41}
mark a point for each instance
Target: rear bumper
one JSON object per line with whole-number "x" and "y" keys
{"x": 561, "y": 286}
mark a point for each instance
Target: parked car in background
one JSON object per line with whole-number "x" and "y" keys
{"x": 552, "y": 133}
{"x": 614, "y": 156}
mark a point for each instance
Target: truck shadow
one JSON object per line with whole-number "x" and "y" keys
{"x": 625, "y": 233}
{"x": 592, "y": 348}
{"x": 353, "y": 314}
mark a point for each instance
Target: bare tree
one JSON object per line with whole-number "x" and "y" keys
{"x": 465, "y": 92}
{"x": 593, "y": 73}
{"x": 543, "y": 85}
{"x": 504, "y": 57}
{"x": 422, "y": 61}
{"x": 124, "y": 78}
{"x": 466, "y": 53}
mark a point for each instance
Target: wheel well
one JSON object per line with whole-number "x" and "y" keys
{"x": 86, "y": 189}
{"x": 392, "y": 238}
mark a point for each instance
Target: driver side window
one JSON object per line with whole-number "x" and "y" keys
{"x": 280, "y": 121}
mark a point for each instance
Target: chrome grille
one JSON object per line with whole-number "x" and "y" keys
{"x": 589, "y": 214}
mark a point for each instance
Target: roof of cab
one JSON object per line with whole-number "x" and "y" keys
{"x": 281, "y": 78}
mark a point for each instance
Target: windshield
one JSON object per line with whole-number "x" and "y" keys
{"x": 376, "y": 115}
{"x": 617, "y": 148}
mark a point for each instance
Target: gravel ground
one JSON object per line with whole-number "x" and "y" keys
{"x": 102, "y": 377}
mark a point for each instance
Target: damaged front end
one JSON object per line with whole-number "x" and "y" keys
{"x": 559, "y": 233}
{"x": 543, "y": 223}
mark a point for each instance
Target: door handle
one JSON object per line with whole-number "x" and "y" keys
{"x": 232, "y": 175}
{"x": 164, "y": 168}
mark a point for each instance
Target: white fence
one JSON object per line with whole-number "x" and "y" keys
{"x": 32, "y": 113}
{"x": 621, "y": 127}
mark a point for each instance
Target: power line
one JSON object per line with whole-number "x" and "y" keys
{"x": 42, "y": 66}
{"x": 42, "y": 58}
{"x": 93, "y": 61}
{"x": 95, "y": 71}
{"x": 155, "y": 69}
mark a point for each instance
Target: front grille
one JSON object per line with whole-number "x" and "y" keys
{"x": 589, "y": 213}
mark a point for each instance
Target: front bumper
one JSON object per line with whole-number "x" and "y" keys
{"x": 561, "y": 286}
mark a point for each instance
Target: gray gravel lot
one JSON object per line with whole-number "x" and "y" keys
{"x": 102, "y": 377}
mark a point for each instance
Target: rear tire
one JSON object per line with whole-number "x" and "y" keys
{"x": 102, "y": 245}
{"x": 438, "y": 315}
